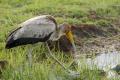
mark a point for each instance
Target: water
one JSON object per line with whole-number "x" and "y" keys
{"x": 106, "y": 61}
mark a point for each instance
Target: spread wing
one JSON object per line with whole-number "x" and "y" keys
{"x": 37, "y": 29}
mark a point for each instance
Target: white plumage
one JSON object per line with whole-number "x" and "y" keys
{"x": 37, "y": 29}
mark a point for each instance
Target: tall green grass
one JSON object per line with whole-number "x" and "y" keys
{"x": 13, "y": 12}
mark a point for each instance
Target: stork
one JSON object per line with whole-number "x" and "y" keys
{"x": 39, "y": 29}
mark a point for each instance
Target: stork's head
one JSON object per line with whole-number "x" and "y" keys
{"x": 66, "y": 30}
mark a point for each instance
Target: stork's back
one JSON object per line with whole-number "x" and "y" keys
{"x": 37, "y": 29}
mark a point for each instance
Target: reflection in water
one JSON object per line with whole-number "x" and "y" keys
{"x": 105, "y": 61}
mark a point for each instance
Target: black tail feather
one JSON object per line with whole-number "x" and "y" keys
{"x": 9, "y": 44}
{"x": 10, "y": 38}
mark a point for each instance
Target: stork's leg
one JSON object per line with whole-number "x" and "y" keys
{"x": 71, "y": 73}
{"x": 52, "y": 56}
{"x": 75, "y": 61}
{"x": 29, "y": 55}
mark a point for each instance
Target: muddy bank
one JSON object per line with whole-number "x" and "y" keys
{"x": 90, "y": 39}
{"x": 95, "y": 46}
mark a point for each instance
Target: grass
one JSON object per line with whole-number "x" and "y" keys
{"x": 13, "y": 12}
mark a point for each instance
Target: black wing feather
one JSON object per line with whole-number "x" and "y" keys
{"x": 23, "y": 41}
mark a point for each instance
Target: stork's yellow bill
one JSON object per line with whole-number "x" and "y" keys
{"x": 69, "y": 35}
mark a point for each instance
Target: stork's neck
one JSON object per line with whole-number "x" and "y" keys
{"x": 56, "y": 35}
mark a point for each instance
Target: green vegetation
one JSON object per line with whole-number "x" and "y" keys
{"x": 13, "y": 12}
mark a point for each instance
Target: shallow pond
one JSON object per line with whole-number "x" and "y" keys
{"x": 106, "y": 61}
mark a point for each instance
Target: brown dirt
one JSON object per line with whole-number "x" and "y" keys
{"x": 93, "y": 15}
{"x": 90, "y": 39}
